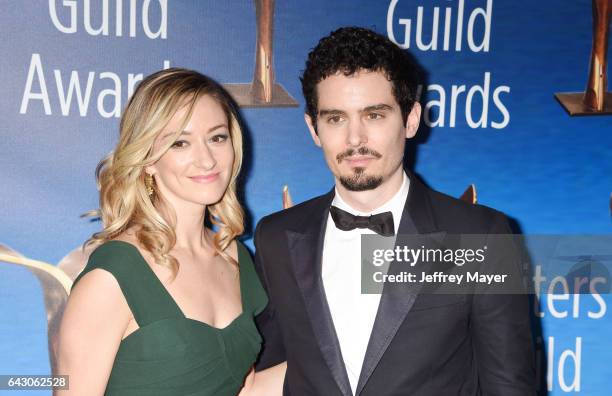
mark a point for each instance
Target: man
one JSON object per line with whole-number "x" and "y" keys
{"x": 360, "y": 92}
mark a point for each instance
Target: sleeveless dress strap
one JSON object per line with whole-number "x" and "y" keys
{"x": 146, "y": 296}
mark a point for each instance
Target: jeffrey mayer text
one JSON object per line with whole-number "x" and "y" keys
{"x": 439, "y": 277}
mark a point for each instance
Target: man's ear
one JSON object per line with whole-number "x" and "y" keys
{"x": 311, "y": 128}
{"x": 412, "y": 121}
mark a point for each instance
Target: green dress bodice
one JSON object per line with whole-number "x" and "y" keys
{"x": 170, "y": 354}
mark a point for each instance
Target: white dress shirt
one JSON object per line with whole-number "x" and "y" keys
{"x": 353, "y": 313}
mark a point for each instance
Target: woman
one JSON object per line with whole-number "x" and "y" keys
{"x": 165, "y": 305}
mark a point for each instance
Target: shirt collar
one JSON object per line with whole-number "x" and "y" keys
{"x": 395, "y": 205}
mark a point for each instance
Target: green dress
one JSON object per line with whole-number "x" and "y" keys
{"x": 170, "y": 354}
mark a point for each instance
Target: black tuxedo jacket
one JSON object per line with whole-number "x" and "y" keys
{"x": 421, "y": 344}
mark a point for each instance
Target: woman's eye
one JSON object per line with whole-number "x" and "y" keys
{"x": 222, "y": 137}
{"x": 179, "y": 144}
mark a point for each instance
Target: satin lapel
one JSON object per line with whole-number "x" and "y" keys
{"x": 397, "y": 298}
{"x": 306, "y": 249}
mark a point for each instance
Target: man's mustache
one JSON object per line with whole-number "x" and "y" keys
{"x": 360, "y": 151}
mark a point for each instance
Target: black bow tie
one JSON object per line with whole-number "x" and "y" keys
{"x": 381, "y": 223}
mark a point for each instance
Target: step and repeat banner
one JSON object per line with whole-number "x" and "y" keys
{"x": 491, "y": 70}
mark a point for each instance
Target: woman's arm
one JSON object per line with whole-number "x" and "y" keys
{"x": 94, "y": 321}
{"x": 268, "y": 382}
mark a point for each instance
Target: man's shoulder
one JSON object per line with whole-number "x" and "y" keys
{"x": 296, "y": 214}
{"x": 462, "y": 216}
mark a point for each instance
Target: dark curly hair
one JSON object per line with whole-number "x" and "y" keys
{"x": 350, "y": 49}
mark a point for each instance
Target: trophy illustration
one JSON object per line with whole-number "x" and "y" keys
{"x": 596, "y": 99}
{"x": 55, "y": 282}
{"x": 263, "y": 91}
{"x": 469, "y": 195}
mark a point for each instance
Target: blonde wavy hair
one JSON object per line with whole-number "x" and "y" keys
{"x": 124, "y": 201}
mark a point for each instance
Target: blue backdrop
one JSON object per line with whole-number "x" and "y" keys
{"x": 491, "y": 71}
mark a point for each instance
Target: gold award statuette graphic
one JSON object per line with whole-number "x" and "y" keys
{"x": 595, "y": 100}
{"x": 263, "y": 91}
{"x": 56, "y": 282}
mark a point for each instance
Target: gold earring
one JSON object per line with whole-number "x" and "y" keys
{"x": 149, "y": 184}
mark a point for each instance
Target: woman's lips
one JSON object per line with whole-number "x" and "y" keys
{"x": 205, "y": 178}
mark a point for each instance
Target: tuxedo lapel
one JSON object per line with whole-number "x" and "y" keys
{"x": 397, "y": 298}
{"x": 306, "y": 252}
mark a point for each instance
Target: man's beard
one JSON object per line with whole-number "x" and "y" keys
{"x": 359, "y": 181}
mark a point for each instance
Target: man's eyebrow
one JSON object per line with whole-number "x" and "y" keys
{"x": 377, "y": 107}
{"x": 324, "y": 112}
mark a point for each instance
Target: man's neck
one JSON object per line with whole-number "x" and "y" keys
{"x": 367, "y": 201}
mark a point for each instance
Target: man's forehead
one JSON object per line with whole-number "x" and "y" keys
{"x": 355, "y": 92}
